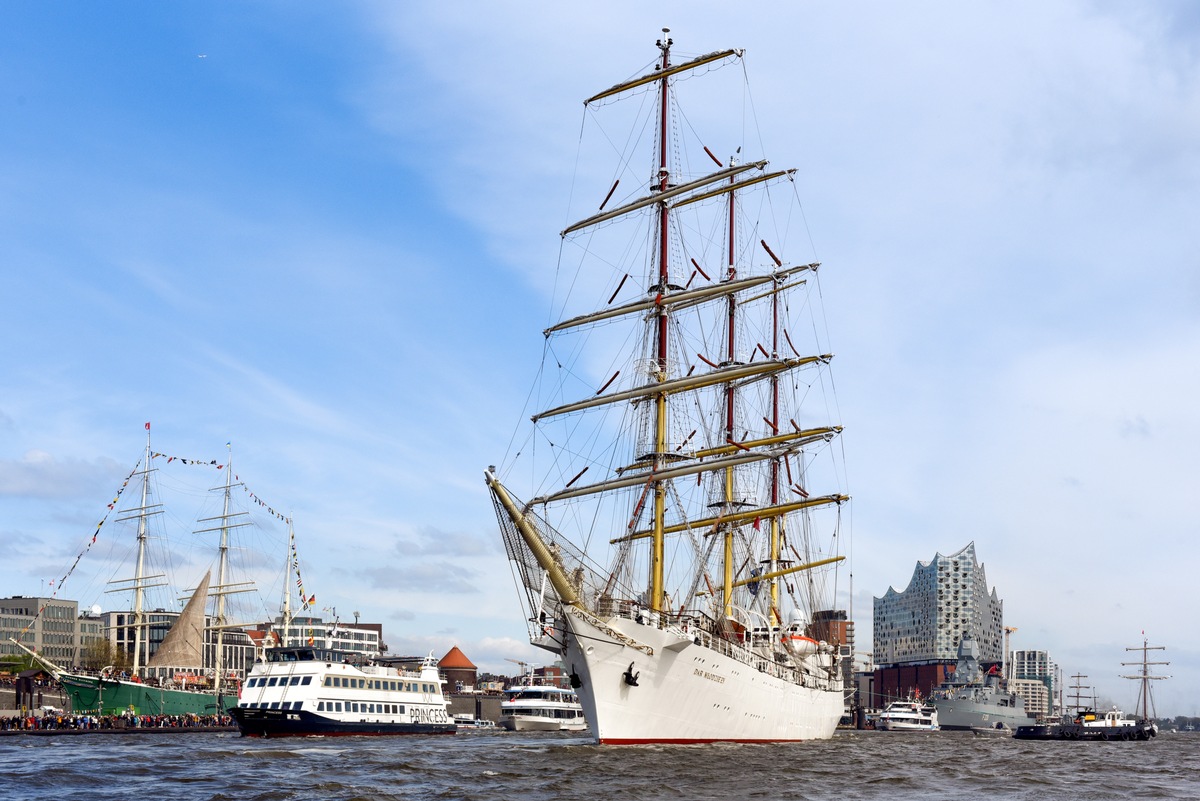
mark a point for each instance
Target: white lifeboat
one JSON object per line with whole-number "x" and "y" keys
{"x": 800, "y": 645}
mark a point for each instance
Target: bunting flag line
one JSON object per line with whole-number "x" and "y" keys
{"x": 306, "y": 601}
{"x": 262, "y": 503}
{"x": 57, "y": 584}
{"x": 210, "y": 462}
{"x": 112, "y": 505}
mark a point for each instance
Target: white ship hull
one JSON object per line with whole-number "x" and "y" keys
{"x": 686, "y": 693}
{"x": 524, "y": 723}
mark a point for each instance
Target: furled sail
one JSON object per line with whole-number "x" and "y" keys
{"x": 184, "y": 644}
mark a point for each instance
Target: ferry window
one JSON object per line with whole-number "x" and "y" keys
{"x": 328, "y": 681}
{"x": 400, "y": 709}
{"x": 274, "y": 705}
{"x": 362, "y": 682}
{"x": 337, "y": 681}
{"x": 320, "y": 706}
{"x": 339, "y": 706}
{"x": 306, "y": 680}
{"x": 272, "y": 681}
{"x": 295, "y": 680}
{"x": 371, "y": 708}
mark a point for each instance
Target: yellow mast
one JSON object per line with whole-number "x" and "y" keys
{"x": 546, "y": 560}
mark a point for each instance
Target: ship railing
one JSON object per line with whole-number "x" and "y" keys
{"x": 704, "y": 631}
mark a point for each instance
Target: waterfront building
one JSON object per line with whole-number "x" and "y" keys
{"x": 1033, "y": 691}
{"x": 90, "y": 630}
{"x": 459, "y": 671}
{"x": 355, "y": 638}
{"x": 1038, "y": 667}
{"x": 62, "y": 635}
{"x": 836, "y": 628}
{"x": 53, "y": 633}
{"x": 917, "y": 631}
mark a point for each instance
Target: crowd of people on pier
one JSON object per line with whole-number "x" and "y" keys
{"x": 63, "y": 720}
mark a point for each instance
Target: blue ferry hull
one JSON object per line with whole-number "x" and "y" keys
{"x": 254, "y": 722}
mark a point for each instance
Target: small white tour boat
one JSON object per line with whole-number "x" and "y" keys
{"x": 908, "y": 716}
{"x": 541, "y": 707}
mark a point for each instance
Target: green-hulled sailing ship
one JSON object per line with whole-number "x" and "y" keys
{"x": 189, "y": 672}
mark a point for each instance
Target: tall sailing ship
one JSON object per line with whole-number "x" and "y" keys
{"x": 686, "y": 583}
{"x": 189, "y": 672}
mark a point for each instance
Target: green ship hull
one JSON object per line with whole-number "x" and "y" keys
{"x": 93, "y": 695}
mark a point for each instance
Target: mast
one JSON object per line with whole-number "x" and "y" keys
{"x": 140, "y": 579}
{"x": 730, "y": 435}
{"x": 1145, "y": 676}
{"x": 138, "y": 592}
{"x": 662, "y": 319}
{"x": 776, "y": 522}
{"x": 1078, "y": 687}
{"x": 222, "y": 575}
{"x": 223, "y": 586}
{"x": 292, "y": 562}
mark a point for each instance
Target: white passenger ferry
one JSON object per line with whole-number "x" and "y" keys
{"x": 299, "y": 692}
{"x": 541, "y": 707}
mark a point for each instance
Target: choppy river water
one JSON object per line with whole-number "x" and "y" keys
{"x": 532, "y": 767}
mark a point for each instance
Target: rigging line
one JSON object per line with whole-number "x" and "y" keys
{"x": 804, "y": 218}
{"x": 748, "y": 104}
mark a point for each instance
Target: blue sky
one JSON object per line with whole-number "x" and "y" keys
{"x": 326, "y": 233}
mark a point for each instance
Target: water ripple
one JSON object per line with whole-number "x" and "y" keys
{"x": 548, "y": 767}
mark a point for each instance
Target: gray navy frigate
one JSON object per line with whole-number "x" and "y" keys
{"x": 972, "y": 698}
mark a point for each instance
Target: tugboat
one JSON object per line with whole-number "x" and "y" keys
{"x": 305, "y": 692}
{"x": 1113, "y": 725}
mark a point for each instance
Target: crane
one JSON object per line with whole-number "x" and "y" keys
{"x": 1008, "y": 632}
{"x": 524, "y": 665}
